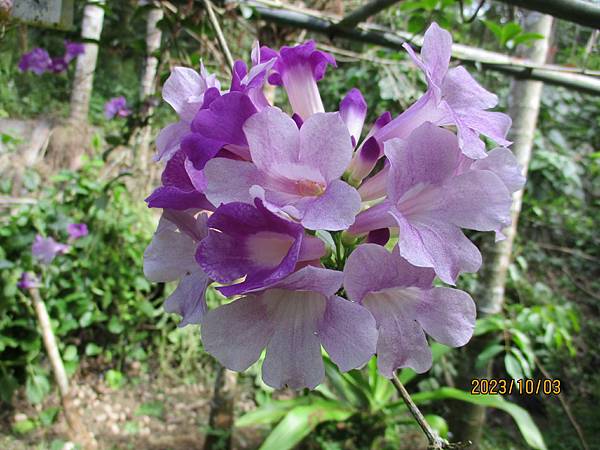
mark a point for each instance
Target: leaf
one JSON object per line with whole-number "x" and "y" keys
{"x": 527, "y": 426}
{"x": 494, "y": 28}
{"x": 527, "y": 38}
{"x": 488, "y": 354}
{"x": 300, "y": 421}
{"x": 23, "y": 426}
{"x": 114, "y": 379}
{"x": 70, "y": 353}
{"x": 154, "y": 409}
{"x": 36, "y": 388}
{"x": 438, "y": 423}
{"x": 513, "y": 367}
{"x": 92, "y": 349}
{"x": 115, "y": 326}
{"x": 271, "y": 412}
{"x": 509, "y": 31}
{"x": 48, "y": 416}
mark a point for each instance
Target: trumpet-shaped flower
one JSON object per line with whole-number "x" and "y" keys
{"x": 405, "y": 306}
{"x": 430, "y": 201}
{"x": 77, "y": 230}
{"x": 45, "y": 249}
{"x": 37, "y": 61}
{"x": 252, "y": 242}
{"x": 185, "y": 90}
{"x": 295, "y": 171}
{"x": 453, "y": 98}
{"x": 170, "y": 257}
{"x": 116, "y": 106}
{"x": 298, "y": 69}
{"x": 292, "y": 320}
{"x": 28, "y": 281}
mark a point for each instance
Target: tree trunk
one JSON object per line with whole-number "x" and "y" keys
{"x": 91, "y": 28}
{"x": 148, "y": 86}
{"x": 468, "y": 420}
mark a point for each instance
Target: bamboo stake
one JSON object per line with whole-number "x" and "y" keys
{"x": 78, "y": 431}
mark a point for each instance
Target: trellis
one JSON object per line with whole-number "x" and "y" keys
{"x": 352, "y": 27}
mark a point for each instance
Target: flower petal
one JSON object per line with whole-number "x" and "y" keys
{"x": 188, "y": 299}
{"x": 348, "y": 333}
{"x": 229, "y": 180}
{"x": 335, "y": 210}
{"x": 503, "y": 163}
{"x": 169, "y": 138}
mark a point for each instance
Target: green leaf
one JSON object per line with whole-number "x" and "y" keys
{"x": 513, "y": 367}
{"x": 527, "y": 426}
{"x": 23, "y": 426}
{"x": 92, "y": 349}
{"x": 527, "y": 38}
{"x": 115, "y": 326}
{"x": 36, "y": 388}
{"x": 70, "y": 353}
{"x": 509, "y": 31}
{"x": 300, "y": 421}
{"x": 154, "y": 409}
{"x": 114, "y": 379}
{"x": 48, "y": 416}
{"x": 486, "y": 355}
{"x": 270, "y": 412}
{"x": 438, "y": 423}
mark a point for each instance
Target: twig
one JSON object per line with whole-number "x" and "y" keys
{"x": 566, "y": 408}
{"x": 220, "y": 37}
{"x": 435, "y": 442}
{"x": 574, "y": 252}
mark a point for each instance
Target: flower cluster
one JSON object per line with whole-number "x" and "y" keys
{"x": 39, "y": 61}
{"x": 329, "y": 237}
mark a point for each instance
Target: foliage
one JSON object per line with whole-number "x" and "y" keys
{"x": 364, "y": 402}
{"x": 96, "y": 295}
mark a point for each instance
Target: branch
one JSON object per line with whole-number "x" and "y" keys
{"x": 364, "y": 12}
{"x": 435, "y": 442}
{"x": 582, "y": 12}
{"x": 322, "y": 23}
{"x": 220, "y": 37}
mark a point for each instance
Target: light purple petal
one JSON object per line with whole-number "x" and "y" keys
{"x": 230, "y": 181}
{"x": 325, "y": 144}
{"x": 293, "y": 356}
{"x": 335, "y": 210}
{"x": 273, "y": 138}
{"x": 309, "y": 278}
{"x": 447, "y": 315}
{"x": 401, "y": 342}
{"x": 348, "y": 333}
{"x": 170, "y": 255}
{"x": 503, "y": 163}
{"x": 237, "y": 332}
{"x": 169, "y": 138}
{"x": 461, "y": 91}
{"x": 436, "y": 52}
{"x": 371, "y": 268}
{"x": 188, "y": 299}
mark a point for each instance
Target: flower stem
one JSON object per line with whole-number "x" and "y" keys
{"x": 435, "y": 442}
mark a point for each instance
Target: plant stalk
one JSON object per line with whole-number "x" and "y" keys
{"x": 220, "y": 37}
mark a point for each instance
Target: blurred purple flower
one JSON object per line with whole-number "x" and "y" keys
{"x": 72, "y": 50}
{"x": 116, "y": 106}
{"x": 46, "y": 249}
{"x": 37, "y": 61}
{"x": 77, "y": 230}
{"x": 28, "y": 281}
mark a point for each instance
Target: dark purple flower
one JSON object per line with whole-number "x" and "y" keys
{"x": 77, "y": 230}
{"x": 37, "y": 61}
{"x": 72, "y": 50}
{"x": 59, "y": 64}
{"x": 28, "y": 281}
{"x": 116, "y": 106}
{"x": 252, "y": 242}
{"x": 298, "y": 69}
{"x": 46, "y": 249}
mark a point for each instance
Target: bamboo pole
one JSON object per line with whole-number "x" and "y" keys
{"x": 364, "y": 12}
{"x": 582, "y": 12}
{"x": 284, "y": 14}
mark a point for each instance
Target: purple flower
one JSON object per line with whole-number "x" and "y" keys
{"x": 182, "y": 186}
{"x": 251, "y": 82}
{"x": 73, "y": 50}
{"x": 37, "y": 61}
{"x": 453, "y": 98}
{"x": 406, "y": 306}
{"x": 293, "y": 171}
{"x": 116, "y": 106}
{"x": 170, "y": 257}
{"x": 430, "y": 197}
{"x": 298, "y": 69}
{"x": 46, "y": 249}
{"x": 185, "y": 91}
{"x": 77, "y": 230}
{"x": 58, "y": 65}
{"x": 28, "y": 281}
{"x": 292, "y": 321}
{"x": 252, "y": 242}
{"x": 353, "y": 110}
